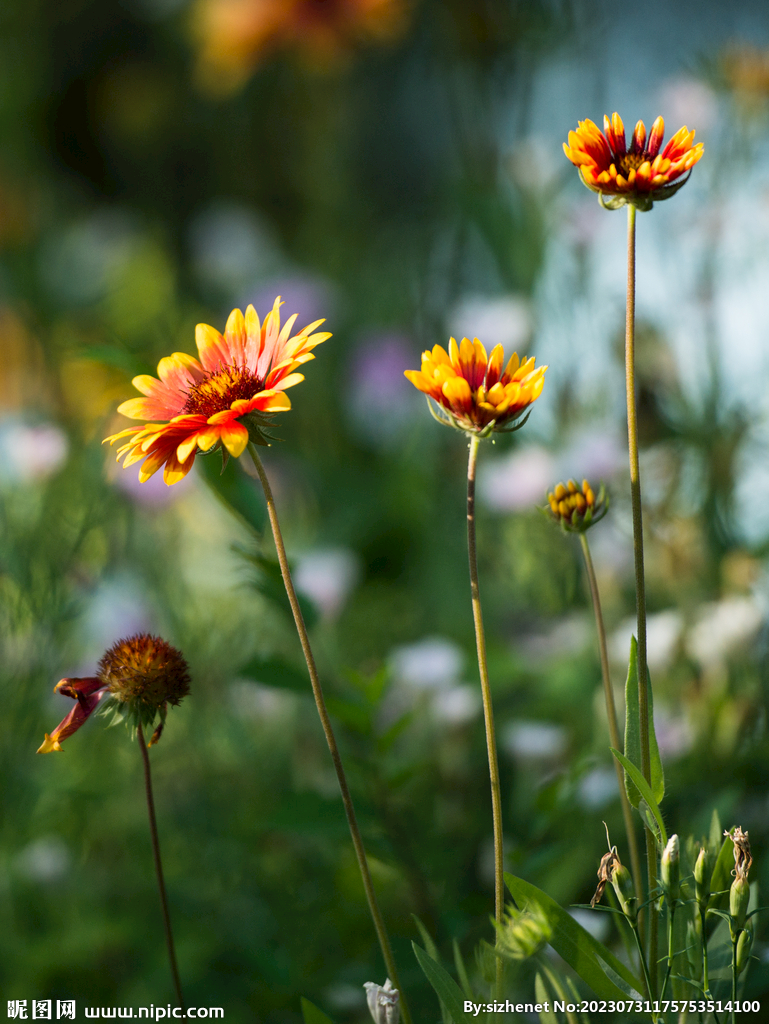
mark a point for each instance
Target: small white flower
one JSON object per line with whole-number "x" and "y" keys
{"x": 383, "y": 1002}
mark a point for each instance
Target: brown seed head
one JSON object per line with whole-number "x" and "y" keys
{"x": 145, "y": 673}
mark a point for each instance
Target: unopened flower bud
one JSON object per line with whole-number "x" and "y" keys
{"x": 383, "y": 1002}
{"x": 739, "y": 897}
{"x": 575, "y": 508}
{"x": 703, "y": 871}
{"x": 670, "y": 868}
{"x": 744, "y": 946}
{"x": 623, "y": 887}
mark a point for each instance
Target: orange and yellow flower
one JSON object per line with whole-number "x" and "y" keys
{"x": 472, "y": 390}
{"x": 220, "y": 401}
{"x": 234, "y": 35}
{"x": 639, "y": 174}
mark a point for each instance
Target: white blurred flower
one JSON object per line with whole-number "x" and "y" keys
{"x": 595, "y": 453}
{"x": 723, "y": 628}
{"x": 674, "y": 733}
{"x": 44, "y": 860}
{"x": 597, "y": 788}
{"x": 231, "y": 247}
{"x": 688, "y": 101}
{"x": 30, "y": 452}
{"x": 256, "y": 702}
{"x": 431, "y": 664}
{"x": 327, "y": 576}
{"x": 116, "y": 609}
{"x": 457, "y": 705}
{"x": 76, "y": 264}
{"x": 533, "y": 163}
{"x": 495, "y": 320}
{"x": 567, "y": 635}
{"x": 534, "y": 741}
{"x": 518, "y": 481}
{"x": 663, "y": 636}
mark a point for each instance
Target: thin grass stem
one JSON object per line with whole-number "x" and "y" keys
{"x": 320, "y": 703}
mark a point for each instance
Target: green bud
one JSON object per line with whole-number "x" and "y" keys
{"x": 703, "y": 873}
{"x": 744, "y": 946}
{"x": 739, "y": 897}
{"x": 670, "y": 868}
{"x": 623, "y": 887}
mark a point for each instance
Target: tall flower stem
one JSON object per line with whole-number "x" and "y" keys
{"x": 320, "y": 703}
{"x": 640, "y": 585}
{"x": 159, "y": 867}
{"x": 488, "y": 709}
{"x": 611, "y": 714}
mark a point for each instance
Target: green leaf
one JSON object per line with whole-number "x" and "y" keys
{"x": 447, "y": 990}
{"x": 633, "y": 732}
{"x": 646, "y": 805}
{"x": 427, "y": 938}
{"x": 461, "y": 970}
{"x": 312, "y": 1015}
{"x": 239, "y": 493}
{"x": 716, "y": 837}
{"x": 721, "y": 878}
{"x": 542, "y": 995}
{"x": 277, "y": 673}
{"x": 598, "y": 967}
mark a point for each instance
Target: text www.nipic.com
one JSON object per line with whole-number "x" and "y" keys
{"x": 154, "y": 1012}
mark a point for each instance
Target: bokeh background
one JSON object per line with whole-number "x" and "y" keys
{"x": 394, "y": 166}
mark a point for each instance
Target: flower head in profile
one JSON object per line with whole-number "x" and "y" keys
{"x": 638, "y": 174}
{"x": 137, "y": 678}
{"x": 219, "y": 402}
{"x": 575, "y": 508}
{"x": 472, "y": 390}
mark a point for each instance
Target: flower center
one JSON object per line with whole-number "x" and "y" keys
{"x": 630, "y": 162}
{"x": 220, "y": 389}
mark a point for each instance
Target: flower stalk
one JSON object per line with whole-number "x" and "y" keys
{"x": 488, "y": 709}
{"x": 638, "y": 558}
{"x": 159, "y": 868}
{"x": 611, "y": 715}
{"x": 328, "y": 731}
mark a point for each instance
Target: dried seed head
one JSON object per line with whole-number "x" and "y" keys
{"x": 145, "y": 673}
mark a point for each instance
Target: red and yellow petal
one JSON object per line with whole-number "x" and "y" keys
{"x": 87, "y": 694}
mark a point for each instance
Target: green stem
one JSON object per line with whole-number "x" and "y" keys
{"x": 159, "y": 868}
{"x": 671, "y": 915}
{"x": 611, "y": 714}
{"x": 352, "y": 821}
{"x": 638, "y": 552}
{"x": 705, "y": 966}
{"x": 734, "y": 976}
{"x": 644, "y": 965}
{"x": 488, "y": 709}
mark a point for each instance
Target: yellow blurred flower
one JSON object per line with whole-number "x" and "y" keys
{"x": 220, "y": 402}
{"x": 637, "y": 174}
{"x": 234, "y": 35}
{"x": 472, "y": 391}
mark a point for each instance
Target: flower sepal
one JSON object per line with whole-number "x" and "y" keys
{"x": 642, "y": 202}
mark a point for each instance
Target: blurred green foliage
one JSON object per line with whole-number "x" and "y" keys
{"x": 377, "y": 193}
